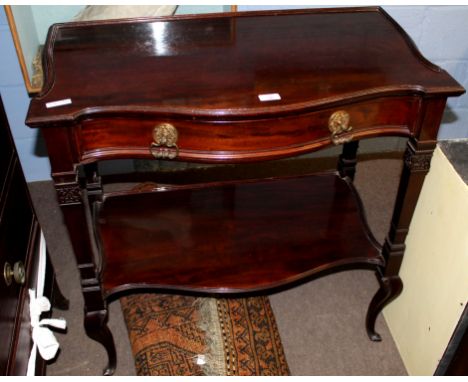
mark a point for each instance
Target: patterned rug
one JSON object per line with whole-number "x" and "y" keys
{"x": 174, "y": 335}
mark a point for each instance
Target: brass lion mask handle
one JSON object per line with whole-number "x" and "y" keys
{"x": 338, "y": 123}
{"x": 164, "y": 144}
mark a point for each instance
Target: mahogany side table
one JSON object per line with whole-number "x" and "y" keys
{"x": 232, "y": 88}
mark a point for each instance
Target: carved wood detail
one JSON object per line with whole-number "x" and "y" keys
{"x": 68, "y": 193}
{"x": 417, "y": 160}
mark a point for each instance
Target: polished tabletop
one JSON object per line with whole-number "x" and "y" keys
{"x": 231, "y": 65}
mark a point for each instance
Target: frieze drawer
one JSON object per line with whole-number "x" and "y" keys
{"x": 244, "y": 140}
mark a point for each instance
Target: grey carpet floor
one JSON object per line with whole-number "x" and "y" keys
{"x": 321, "y": 323}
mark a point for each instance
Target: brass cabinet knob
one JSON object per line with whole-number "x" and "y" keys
{"x": 16, "y": 273}
{"x": 164, "y": 144}
{"x": 338, "y": 123}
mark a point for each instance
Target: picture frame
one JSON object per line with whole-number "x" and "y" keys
{"x": 29, "y": 38}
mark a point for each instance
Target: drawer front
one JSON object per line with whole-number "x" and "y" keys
{"x": 23, "y": 331}
{"x": 15, "y": 228}
{"x": 245, "y": 140}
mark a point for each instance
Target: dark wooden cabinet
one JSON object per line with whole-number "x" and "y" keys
{"x": 229, "y": 89}
{"x": 19, "y": 246}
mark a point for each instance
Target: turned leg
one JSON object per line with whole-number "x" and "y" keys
{"x": 390, "y": 288}
{"x": 347, "y": 160}
{"x": 95, "y": 324}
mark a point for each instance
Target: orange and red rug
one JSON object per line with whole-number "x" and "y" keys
{"x": 183, "y": 335}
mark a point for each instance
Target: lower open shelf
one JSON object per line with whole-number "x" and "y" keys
{"x": 242, "y": 236}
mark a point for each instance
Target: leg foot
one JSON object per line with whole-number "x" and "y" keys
{"x": 374, "y": 336}
{"x": 96, "y": 328}
{"x": 390, "y": 288}
{"x": 108, "y": 371}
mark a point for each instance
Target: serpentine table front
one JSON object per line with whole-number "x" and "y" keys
{"x": 232, "y": 88}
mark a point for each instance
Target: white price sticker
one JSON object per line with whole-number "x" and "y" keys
{"x": 269, "y": 97}
{"x": 61, "y": 102}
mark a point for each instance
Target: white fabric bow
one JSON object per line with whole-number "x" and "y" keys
{"x": 42, "y": 336}
{"x": 44, "y": 340}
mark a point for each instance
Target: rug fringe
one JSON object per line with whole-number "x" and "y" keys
{"x": 209, "y": 323}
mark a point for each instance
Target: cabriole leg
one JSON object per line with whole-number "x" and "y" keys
{"x": 95, "y": 324}
{"x": 416, "y": 165}
{"x": 390, "y": 288}
{"x": 73, "y": 201}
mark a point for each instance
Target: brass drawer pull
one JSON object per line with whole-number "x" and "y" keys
{"x": 165, "y": 138}
{"x": 16, "y": 273}
{"x": 338, "y": 123}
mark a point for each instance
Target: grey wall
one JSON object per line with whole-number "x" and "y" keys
{"x": 16, "y": 101}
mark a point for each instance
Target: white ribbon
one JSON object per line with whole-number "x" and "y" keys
{"x": 42, "y": 336}
{"x": 44, "y": 340}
